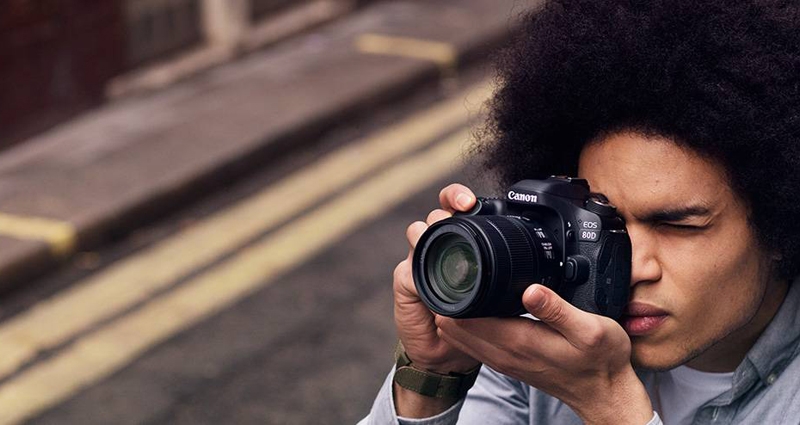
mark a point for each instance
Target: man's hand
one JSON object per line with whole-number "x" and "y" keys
{"x": 580, "y": 358}
{"x": 415, "y": 323}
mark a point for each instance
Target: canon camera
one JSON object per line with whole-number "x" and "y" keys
{"x": 554, "y": 232}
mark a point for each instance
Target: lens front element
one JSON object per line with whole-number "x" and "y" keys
{"x": 452, "y": 267}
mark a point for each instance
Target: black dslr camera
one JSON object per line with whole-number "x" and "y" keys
{"x": 554, "y": 232}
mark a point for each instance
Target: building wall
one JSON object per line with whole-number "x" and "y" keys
{"x": 55, "y": 57}
{"x": 156, "y": 28}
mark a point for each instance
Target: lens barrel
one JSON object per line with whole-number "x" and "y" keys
{"x": 479, "y": 266}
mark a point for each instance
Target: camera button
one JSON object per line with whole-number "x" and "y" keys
{"x": 570, "y": 270}
{"x": 576, "y": 269}
{"x": 599, "y": 207}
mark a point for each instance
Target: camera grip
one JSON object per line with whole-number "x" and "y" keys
{"x": 607, "y": 288}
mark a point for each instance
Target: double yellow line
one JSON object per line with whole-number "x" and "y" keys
{"x": 94, "y": 354}
{"x": 444, "y": 55}
{"x": 61, "y": 236}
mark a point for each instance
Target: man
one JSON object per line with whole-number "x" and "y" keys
{"x": 686, "y": 115}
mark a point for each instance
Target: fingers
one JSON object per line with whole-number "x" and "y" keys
{"x": 414, "y": 231}
{"x": 580, "y": 328}
{"x": 516, "y": 347}
{"x": 456, "y": 197}
{"x": 466, "y": 341}
{"x": 505, "y": 335}
{"x": 417, "y": 228}
{"x": 403, "y": 282}
{"x": 437, "y": 215}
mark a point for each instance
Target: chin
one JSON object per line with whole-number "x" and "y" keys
{"x": 656, "y": 359}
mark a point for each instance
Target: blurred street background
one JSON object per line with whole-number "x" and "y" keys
{"x": 202, "y": 201}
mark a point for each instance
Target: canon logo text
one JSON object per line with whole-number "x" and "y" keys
{"x": 522, "y": 197}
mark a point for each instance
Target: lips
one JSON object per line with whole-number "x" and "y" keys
{"x": 642, "y": 319}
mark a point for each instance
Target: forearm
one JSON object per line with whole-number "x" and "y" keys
{"x": 626, "y": 402}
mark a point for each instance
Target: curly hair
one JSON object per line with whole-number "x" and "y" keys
{"x": 720, "y": 77}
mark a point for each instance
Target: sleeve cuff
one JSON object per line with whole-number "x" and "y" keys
{"x": 448, "y": 417}
{"x": 656, "y": 419}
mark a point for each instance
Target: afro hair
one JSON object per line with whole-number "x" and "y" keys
{"x": 720, "y": 77}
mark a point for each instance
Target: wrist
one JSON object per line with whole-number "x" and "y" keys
{"x": 409, "y": 404}
{"x": 445, "y": 368}
{"x": 450, "y": 365}
{"x": 626, "y": 403}
{"x": 452, "y": 385}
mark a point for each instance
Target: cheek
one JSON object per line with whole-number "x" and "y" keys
{"x": 712, "y": 270}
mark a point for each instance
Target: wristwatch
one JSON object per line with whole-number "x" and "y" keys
{"x": 430, "y": 384}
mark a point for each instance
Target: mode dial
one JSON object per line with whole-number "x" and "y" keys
{"x": 600, "y": 207}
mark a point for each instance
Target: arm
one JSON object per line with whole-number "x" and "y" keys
{"x": 494, "y": 396}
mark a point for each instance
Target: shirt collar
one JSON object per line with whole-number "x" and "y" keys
{"x": 778, "y": 344}
{"x": 774, "y": 349}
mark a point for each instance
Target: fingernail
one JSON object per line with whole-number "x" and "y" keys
{"x": 463, "y": 200}
{"x": 536, "y": 297}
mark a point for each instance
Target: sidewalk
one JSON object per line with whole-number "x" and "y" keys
{"x": 114, "y": 168}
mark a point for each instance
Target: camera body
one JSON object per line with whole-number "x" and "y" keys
{"x": 553, "y": 231}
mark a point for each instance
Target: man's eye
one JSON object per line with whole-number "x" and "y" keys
{"x": 684, "y": 227}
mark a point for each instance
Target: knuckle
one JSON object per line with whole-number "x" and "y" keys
{"x": 446, "y": 195}
{"x": 413, "y": 227}
{"x": 556, "y": 314}
{"x": 436, "y": 215}
{"x": 594, "y": 336}
{"x": 443, "y": 194}
{"x": 431, "y": 216}
{"x": 414, "y": 230}
{"x": 401, "y": 274}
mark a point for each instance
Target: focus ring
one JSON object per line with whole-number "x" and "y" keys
{"x": 514, "y": 255}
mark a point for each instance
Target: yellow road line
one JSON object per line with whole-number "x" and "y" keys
{"x": 106, "y": 350}
{"x": 443, "y": 54}
{"x": 60, "y": 235}
{"x": 57, "y": 320}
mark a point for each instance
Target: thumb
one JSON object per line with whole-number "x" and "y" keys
{"x": 547, "y": 306}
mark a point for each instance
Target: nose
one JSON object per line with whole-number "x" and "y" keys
{"x": 645, "y": 265}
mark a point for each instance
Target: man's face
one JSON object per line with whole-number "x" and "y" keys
{"x": 700, "y": 287}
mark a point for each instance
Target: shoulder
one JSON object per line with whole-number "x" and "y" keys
{"x": 785, "y": 390}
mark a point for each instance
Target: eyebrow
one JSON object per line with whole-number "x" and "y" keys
{"x": 675, "y": 214}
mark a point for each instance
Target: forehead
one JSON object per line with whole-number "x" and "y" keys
{"x": 640, "y": 173}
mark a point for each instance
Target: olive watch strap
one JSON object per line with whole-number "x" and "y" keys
{"x": 431, "y": 384}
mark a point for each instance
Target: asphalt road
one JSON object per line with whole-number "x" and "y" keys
{"x": 269, "y": 302}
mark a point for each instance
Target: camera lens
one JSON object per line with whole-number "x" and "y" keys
{"x": 453, "y": 267}
{"x": 479, "y": 266}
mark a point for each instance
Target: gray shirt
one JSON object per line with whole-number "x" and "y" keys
{"x": 766, "y": 389}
